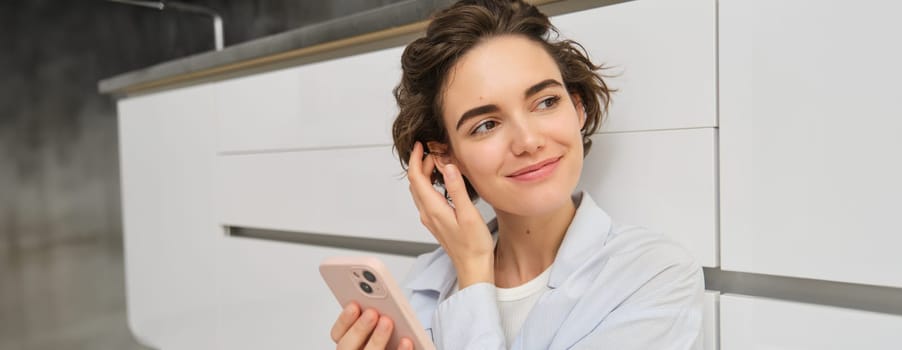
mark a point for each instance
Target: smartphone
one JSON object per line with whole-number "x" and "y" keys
{"x": 366, "y": 281}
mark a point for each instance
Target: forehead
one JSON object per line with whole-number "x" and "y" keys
{"x": 495, "y": 71}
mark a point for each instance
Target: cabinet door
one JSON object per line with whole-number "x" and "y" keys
{"x": 810, "y": 139}
{"x": 664, "y": 180}
{"x": 166, "y": 154}
{"x": 752, "y": 323}
{"x": 663, "y": 57}
{"x": 340, "y": 102}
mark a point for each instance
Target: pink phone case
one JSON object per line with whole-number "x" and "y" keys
{"x": 348, "y": 278}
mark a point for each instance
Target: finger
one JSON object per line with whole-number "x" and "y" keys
{"x": 457, "y": 190}
{"x": 415, "y": 162}
{"x": 427, "y": 199}
{"x": 405, "y": 344}
{"x": 414, "y": 175}
{"x": 428, "y": 167}
{"x": 381, "y": 335}
{"x": 347, "y": 318}
{"x": 358, "y": 334}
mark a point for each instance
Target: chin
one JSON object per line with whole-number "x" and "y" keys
{"x": 533, "y": 202}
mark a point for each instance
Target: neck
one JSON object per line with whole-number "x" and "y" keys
{"x": 527, "y": 245}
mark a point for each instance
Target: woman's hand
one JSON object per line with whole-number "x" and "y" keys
{"x": 460, "y": 229}
{"x": 368, "y": 331}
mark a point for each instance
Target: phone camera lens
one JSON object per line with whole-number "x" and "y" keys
{"x": 369, "y": 276}
{"x": 366, "y": 288}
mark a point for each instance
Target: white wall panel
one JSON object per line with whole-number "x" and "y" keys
{"x": 664, "y": 180}
{"x": 810, "y": 139}
{"x": 351, "y": 191}
{"x": 166, "y": 156}
{"x": 341, "y": 102}
{"x": 752, "y": 323}
{"x": 664, "y": 53}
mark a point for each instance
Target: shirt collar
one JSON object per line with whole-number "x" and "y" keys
{"x": 587, "y": 233}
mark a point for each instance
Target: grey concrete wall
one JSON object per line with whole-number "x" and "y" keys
{"x": 61, "y": 279}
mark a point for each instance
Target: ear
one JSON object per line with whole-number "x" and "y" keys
{"x": 441, "y": 153}
{"x": 580, "y": 109}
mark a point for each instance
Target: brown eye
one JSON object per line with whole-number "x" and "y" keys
{"x": 484, "y": 127}
{"x": 549, "y": 102}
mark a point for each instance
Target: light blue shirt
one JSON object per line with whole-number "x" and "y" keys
{"x": 611, "y": 287}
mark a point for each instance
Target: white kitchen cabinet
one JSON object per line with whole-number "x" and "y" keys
{"x": 663, "y": 54}
{"x": 664, "y": 180}
{"x": 189, "y": 284}
{"x": 359, "y": 192}
{"x": 273, "y": 296}
{"x": 810, "y": 146}
{"x": 166, "y": 154}
{"x": 340, "y": 102}
{"x": 348, "y": 101}
{"x": 753, "y": 323}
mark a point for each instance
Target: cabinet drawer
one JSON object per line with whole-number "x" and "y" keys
{"x": 758, "y": 323}
{"x": 341, "y": 102}
{"x": 360, "y": 192}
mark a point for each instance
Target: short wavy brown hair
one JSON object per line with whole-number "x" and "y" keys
{"x": 454, "y": 31}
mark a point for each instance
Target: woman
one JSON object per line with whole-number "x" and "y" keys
{"x": 492, "y": 107}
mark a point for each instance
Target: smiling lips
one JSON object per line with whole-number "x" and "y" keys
{"x": 536, "y": 171}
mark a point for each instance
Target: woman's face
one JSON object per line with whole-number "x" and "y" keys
{"x": 514, "y": 129}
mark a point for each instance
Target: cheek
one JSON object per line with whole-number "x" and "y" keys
{"x": 565, "y": 129}
{"x": 481, "y": 161}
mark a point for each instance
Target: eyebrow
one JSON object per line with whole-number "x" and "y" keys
{"x": 493, "y": 108}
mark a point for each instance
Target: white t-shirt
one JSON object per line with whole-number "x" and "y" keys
{"x": 515, "y": 303}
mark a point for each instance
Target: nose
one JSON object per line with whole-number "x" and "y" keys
{"x": 526, "y": 137}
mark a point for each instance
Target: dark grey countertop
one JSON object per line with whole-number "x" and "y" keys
{"x": 375, "y": 20}
{"x": 382, "y": 18}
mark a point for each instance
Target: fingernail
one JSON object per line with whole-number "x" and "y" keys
{"x": 349, "y": 310}
{"x": 383, "y": 324}
{"x": 369, "y": 316}
{"x": 450, "y": 171}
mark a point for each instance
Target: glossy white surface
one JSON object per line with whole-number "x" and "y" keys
{"x": 712, "y": 323}
{"x": 751, "y": 323}
{"x": 664, "y": 53}
{"x": 663, "y": 180}
{"x": 810, "y": 145}
{"x": 351, "y": 191}
{"x": 273, "y": 296}
{"x": 189, "y": 285}
{"x": 348, "y": 101}
{"x": 342, "y": 102}
{"x": 166, "y": 151}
